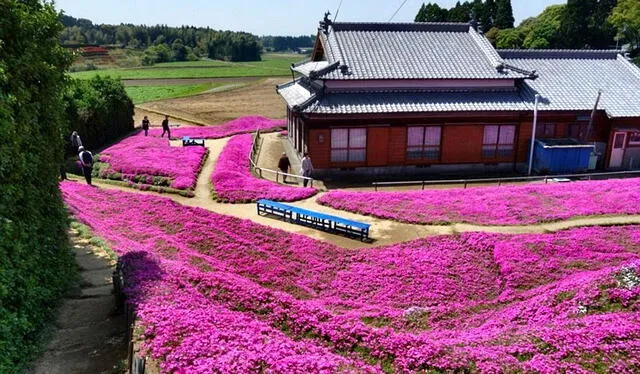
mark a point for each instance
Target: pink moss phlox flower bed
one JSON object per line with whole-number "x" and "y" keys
{"x": 219, "y": 294}
{"x": 237, "y": 126}
{"x": 149, "y": 160}
{"x": 233, "y": 182}
{"x": 505, "y": 205}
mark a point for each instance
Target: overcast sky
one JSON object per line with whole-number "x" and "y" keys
{"x": 260, "y": 17}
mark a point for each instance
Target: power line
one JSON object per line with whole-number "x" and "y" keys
{"x": 397, "y": 10}
{"x": 337, "y": 11}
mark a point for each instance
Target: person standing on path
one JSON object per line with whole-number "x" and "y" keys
{"x": 86, "y": 160}
{"x": 165, "y": 127}
{"x": 76, "y": 142}
{"x": 283, "y": 165}
{"x": 145, "y": 126}
{"x": 307, "y": 168}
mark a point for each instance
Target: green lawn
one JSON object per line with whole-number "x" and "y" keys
{"x": 143, "y": 94}
{"x": 271, "y": 65}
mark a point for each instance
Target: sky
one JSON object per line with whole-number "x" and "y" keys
{"x": 261, "y": 17}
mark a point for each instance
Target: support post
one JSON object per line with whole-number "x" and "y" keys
{"x": 533, "y": 133}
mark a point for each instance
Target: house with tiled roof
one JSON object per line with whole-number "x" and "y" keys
{"x": 431, "y": 97}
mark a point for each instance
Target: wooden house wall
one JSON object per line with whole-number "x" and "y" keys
{"x": 462, "y": 135}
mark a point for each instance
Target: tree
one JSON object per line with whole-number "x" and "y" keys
{"x": 432, "y": 13}
{"x": 509, "y": 39}
{"x": 542, "y": 31}
{"x": 35, "y": 262}
{"x": 488, "y": 15}
{"x": 460, "y": 13}
{"x": 625, "y": 17}
{"x": 574, "y": 28}
{"x": 179, "y": 50}
{"x": 504, "y": 14}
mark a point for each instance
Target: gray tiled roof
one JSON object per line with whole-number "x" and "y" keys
{"x": 296, "y": 93}
{"x": 416, "y": 102}
{"x": 411, "y": 51}
{"x": 570, "y": 80}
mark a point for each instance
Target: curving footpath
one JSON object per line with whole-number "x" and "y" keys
{"x": 383, "y": 231}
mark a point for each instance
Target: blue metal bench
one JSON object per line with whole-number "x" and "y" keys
{"x": 321, "y": 221}
{"x": 187, "y": 142}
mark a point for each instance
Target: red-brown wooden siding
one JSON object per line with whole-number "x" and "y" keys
{"x": 462, "y": 134}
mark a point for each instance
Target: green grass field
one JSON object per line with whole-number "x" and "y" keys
{"x": 143, "y": 94}
{"x": 271, "y": 65}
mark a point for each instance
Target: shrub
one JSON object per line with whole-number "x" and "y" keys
{"x": 35, "y": 263}
{"x": 99, "y": 109}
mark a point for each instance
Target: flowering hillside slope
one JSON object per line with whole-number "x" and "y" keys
{"x": 505, "y": 205}
{"x": 237, "y": 126}
{"x": 152, "y": 161}
{"x": 219, "y": 294}
{"x": 233, "y": 182}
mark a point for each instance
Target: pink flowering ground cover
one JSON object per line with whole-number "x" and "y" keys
{"x": 505, "y": 205}
{"x": 147, "y": 161}
{"x": 237, "y": 126}
{"x": 219, "y": 294}
{"x": 233, "y": 182}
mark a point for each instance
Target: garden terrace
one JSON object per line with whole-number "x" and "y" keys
{"x": 148, "y": 162}
{"x": 505, "y": 205}
{"x": 233, "y": 182}
{"x": 216, "y": 293}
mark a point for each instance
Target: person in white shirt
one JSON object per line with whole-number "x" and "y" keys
{"x": 86, "y": 160}
{"x": 307, "y": 168}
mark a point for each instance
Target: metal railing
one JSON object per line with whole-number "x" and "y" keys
{"x": 255, "y": 150}
{"x": 500, "y": 181}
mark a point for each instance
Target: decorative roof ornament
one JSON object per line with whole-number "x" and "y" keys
{"x": 325, "y": 23}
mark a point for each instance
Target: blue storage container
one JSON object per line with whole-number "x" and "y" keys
{"x": 561, "y": 156}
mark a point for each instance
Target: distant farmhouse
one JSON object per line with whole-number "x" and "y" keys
{"x": 415, "y": 97}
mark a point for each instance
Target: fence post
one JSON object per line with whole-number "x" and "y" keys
{"x": 465, "y": 184}
{"x": 423, "y": 183}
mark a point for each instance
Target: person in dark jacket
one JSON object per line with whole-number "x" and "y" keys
{"x": 145, "y": 125}
{"x": 165, "y": 127}
{"x": 86, "y": 160}
{"x": 283, "y": 165}
{"x": 76, "y": 142}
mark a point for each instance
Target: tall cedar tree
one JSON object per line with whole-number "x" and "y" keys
{"x": 432, "y": 12}
{"x": 584, "y": 24}
{"x": 504, "y": 15}
{"x": 35, "y": 261}
{"x": 488, "y": 16}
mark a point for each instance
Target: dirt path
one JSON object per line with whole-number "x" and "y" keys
{"x": 89, "y": 336}
{"x": 182, "y": 81}
{"x": 383, "y": 231}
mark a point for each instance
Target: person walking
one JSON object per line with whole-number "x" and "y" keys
{"x": 165, "y": 127}
{"x": 145, "y": 125}
{"x": 283, "y": 165}
{"x": 306, "y": 169}
{"x": 76, "y": 142}
{"x": 86, "y": 160}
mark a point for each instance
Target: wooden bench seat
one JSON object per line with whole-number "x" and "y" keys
{"x": 317, "y": 220}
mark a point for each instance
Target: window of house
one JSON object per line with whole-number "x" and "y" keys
{"x": 348, "y": 145}
{"x": 546, "y": 130}
{"x": 577, "y": 130}
{"x": 423, "y": 142}
{"x": 498, "y": 141}
{"x": 634, "y": 138}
